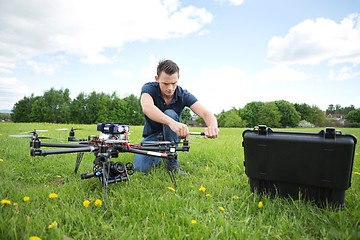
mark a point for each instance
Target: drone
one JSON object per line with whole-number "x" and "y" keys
{"x": 112, "y": 140}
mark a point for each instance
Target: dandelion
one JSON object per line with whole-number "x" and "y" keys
{"x": 222, "y": 209}
{"x": 15, "y": 204}
{"x": 98, "y": 202}
{"x": 54, "y": 224}
{"x": 236, "y": 197}
{"x": 26, "y": 198}
{"x": 5, "y": 201}
{"x": 202, "y": 189}
{"x": 28, "y": 218}
{"x": 52, "y": 195}
{"x": 34, "y": 238}
{"x": 1, "y": 160}
{"x": 86, "y": 203}
{"x": 170, "y": 188}
{"x": 188, "y": 162}
{"x": 193, "y": 222}
{"x": 357, "y": 173}
{"x": 58, "y": 176}
{"x": 260, "y": 205}
{"x": 208, "y": 195}
{"x": 356, "y": 153}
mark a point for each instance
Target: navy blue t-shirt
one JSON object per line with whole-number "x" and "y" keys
{"x": 182, "y": 99}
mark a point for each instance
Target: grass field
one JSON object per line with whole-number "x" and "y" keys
{"x": 213, "y": 202}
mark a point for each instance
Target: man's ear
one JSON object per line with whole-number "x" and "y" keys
{"x": 156, "y": 78}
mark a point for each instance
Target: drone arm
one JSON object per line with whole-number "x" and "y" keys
{"x": 41, "y": 152}
{"x": 63, "y": 145}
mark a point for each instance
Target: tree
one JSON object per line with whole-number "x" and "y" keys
{"x": 289, "y": 116}
{"x": 78, "y": 109}
{"x": 269, "y": 115}
{"x": 330, "y": 109}
{"x": 311, "y": 114}
{"x": 22, "y": 109}
{"x": 353, "y": 116}
{"x": 232, "y": 119}
{"x": 186, "y": 115}
{"x": 250, "y": 113}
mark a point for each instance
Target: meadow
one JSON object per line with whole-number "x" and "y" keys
{"x": 42, "y": 197}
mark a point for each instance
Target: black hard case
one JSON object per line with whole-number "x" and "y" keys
{"x": 314, "y": 166}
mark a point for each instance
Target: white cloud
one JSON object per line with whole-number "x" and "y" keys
{"x": 280, "y": 73}
{"x": 11, "y": 91}
{"x": 343, "y": 74}
{"x": 322, "y": 40}
{"x": 85, "y": 28}
{"x": 47, "y": 66}
{"x": 149, "y": 72}
{"x": 221, "y": 88}
{"x": 231, "y": 2}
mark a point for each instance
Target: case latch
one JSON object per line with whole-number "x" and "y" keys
{"x": 330, "y": 132}
{"x": 262, "y": 129}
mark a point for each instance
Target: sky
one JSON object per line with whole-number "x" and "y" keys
{"x": 230, "y": 52}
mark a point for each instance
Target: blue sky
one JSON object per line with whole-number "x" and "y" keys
{"x": 230, "y": 52}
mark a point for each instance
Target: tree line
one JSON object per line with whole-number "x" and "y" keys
{"x": 282, "y": 114}
{"x": 56, "y": 106}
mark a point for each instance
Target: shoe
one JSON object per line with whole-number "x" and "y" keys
{"x": 176, "y": 168}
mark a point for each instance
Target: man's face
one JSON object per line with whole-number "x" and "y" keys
{"x": 168, "y": 84}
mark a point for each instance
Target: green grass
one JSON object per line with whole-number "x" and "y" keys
{"x": 145, "y": 207}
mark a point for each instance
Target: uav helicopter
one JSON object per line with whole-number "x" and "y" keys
{"x": 112, "y": 140}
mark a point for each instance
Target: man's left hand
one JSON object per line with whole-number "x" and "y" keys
{"x": 211, "y": 132}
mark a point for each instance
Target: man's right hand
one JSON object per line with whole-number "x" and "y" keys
{"x": 180, "y": 129}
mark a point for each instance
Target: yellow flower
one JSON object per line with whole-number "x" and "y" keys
{"x": 28, "y": 218}
{"x": 222, "y": 209}
{"x": 208, "y": 195}
{"x": 54, "y": 224}
{"x": 26, "y": 198}
{"x": 86, "y": 203}
{"x": 1, "y": 160}
{"x": 15, "y": 204}
{"x": 58, "y": 176}
{"x": 188, "y": 162}
{"x": 356, "y": 153}
{"x": 5, "y": 201}
{"x": 260, "y": 205}
{"x": 34, "y": 238}
{"x": 236, "y": 197}
{"x": 207, "y": 168}
{"x": 98, "y": 202}
{"x": 357, "y": 173}
{"x": 170, "y": 188}
{"x": 202, "y": 189}
{"x": 193, "y": 222}
{"x": 52, "y": 195}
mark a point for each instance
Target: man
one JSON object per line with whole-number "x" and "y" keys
{"x": 162, "y": 102}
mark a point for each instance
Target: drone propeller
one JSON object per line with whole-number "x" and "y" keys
{"x": 31, "y": 136}
{"x": 36, "y": 131}
{"x": 68, "y": 129}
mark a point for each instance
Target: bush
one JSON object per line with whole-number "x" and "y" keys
{"x": 305, "y": 124}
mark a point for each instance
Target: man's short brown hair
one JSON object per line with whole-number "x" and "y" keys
{"x": 168, "y": 66}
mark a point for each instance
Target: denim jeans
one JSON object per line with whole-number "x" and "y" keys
{"x": 143, "y": 163}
